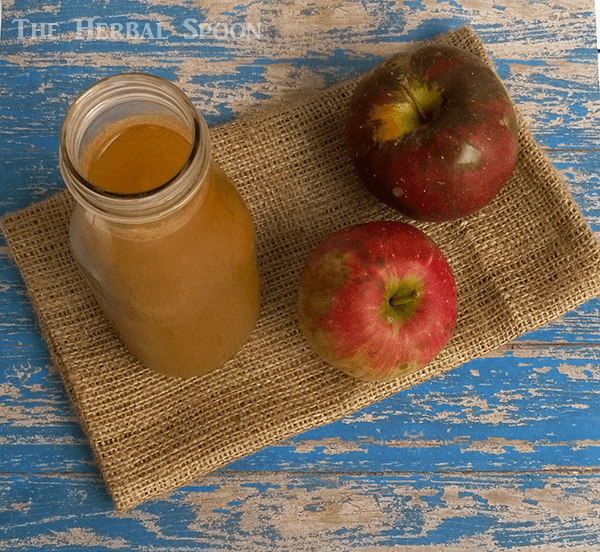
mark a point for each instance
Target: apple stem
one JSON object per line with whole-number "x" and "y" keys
{"x": 413, "y": 98}
{"x": 399, "y": 300}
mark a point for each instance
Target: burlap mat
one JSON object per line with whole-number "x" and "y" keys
{"x": 527, "y": 258}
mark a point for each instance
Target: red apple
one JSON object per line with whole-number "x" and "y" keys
{"x": 433, "y": 133}
{"x": 377, "y": 300}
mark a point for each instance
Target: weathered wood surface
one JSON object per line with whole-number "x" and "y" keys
{"x": 500, "y": 454}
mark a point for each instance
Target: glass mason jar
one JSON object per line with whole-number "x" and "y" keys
{"x": 161, "y": 234}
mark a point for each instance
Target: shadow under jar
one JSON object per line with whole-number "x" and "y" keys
{"x": 160, "y": 232}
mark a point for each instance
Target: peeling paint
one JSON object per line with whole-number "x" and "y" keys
{"x": 584, "y": 372}
{"x": 69, "y": 537}
{"x": 331, "y": 446}
{"x": 415, "y": 443}
{"x": 497, "y": 445}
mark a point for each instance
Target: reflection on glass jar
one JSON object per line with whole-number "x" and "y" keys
{"x": 160, "y": 232}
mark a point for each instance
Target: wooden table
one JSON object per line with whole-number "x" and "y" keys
{"x": 500, "y": 454}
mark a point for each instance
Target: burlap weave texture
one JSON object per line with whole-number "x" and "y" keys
{"x": 524, "y": 260}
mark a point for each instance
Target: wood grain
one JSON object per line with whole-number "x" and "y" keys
{"x": 500, "y": 454}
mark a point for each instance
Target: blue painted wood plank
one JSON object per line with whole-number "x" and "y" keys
{"x": 446, "y": 512}
{"x": 20, "y": 334}
{"x": 39, "y": 431}
{"x": 225, "y": 76}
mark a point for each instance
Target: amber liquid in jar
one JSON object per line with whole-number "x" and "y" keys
{"x": 135, "y": 157}
{"x": 181, "y": 289}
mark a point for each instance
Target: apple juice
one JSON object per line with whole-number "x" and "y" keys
{"x": 163, "y": 237}
{"x": 135, "y": 156}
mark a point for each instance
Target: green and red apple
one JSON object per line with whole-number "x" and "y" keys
{"x": 433, "y": 133}
{"x": 377, "y": 300}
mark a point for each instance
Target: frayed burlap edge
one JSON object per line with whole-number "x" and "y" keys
{"x": 524, "y": 260}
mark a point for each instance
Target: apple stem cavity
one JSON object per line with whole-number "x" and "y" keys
{"x": 416, "y": 106}
{"x": 403, "y": 299}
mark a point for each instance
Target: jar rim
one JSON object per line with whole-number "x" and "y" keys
{"x": 116, "y": 91}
